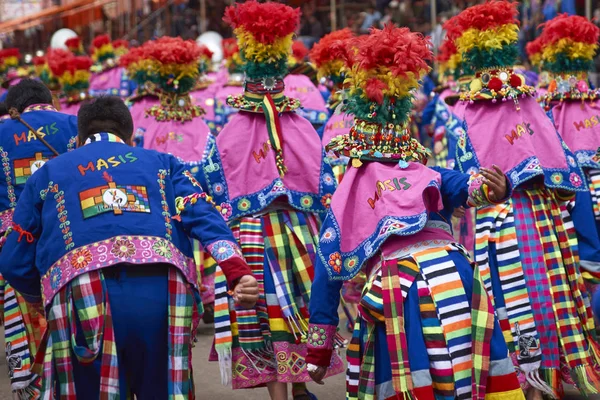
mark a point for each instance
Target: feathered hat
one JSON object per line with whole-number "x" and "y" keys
{"x": 386, "y": 69}
{"x": 264, "y": 33}
{"x": 121, "y": 47}
{"x": 205, "y": 59}
{"x": 233, "y": 61}
{"x": 448, "y": 60}
{"x": 175, "y": 62}
{"x": 330, "y": 54}
{"x": 569, "y": 44}
{"x": 486, "y": 37}
{"x": 534, "y": 52}
{"x": 74, "y": 45}
{"x": 39, "y": 64}
{"x": 298, "y": 62}
{"x": 45, "y": 73}
{"x": 139, "y": 67}
{"x": 73, "y": 74}
{"x": 103, "y": 53}
{"x": 9, "y": 62}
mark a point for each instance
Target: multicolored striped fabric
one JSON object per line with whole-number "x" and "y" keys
{"x": 86, "y": 295}
{"x": 497, "y": 253}
{"x": 549, "y": 265}
{"x": 593, "y": 176}
{"x": 267, "y": 344}
{"x": 457, "y": 330}
{"x": 23, "y": 328}
{"x": 206, "y": 267}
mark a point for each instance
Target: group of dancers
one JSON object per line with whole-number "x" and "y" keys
{"x": 146, "y": 189}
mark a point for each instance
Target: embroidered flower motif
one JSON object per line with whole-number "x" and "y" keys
{"x": 575, "y": 179}
{"x": 351, "y": 263}
{"x": 335, "y": 261}
{"x": 55, "y": 277}
{"x": 556, "y": 178}
{"x": 244, "y": 204}
{"x": 306, "y": 201}
{"x": 326, "y": 200}
{"x": 222, "y": 250}
{"x": 81, "y": 258}
{"x": 572, "y": 161}
{"x": 123, "y": 248}
{"x": 218, "y": 188}
{"x": 328, "y": 236}
{"x": 316, "y": 336}
{"x": 226, "y": 211}
{"x": 328, "y": 179}
{"x": 161, "y": 248}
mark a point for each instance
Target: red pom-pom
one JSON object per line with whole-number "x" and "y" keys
{"x": 515, "y": 80}
{"x": 73, "y": 43}
{"x": 120, "y": 43}
{"x": 495, "y": 84}
{"x": 534, "y": 47}
{"x": 333, "y": 46}
{"x": 574, "y": 27}
{"x": 299, "y": 50}
{"x": 100, "y": 41}
{"x": 488, "y": 15}
{"x": 398, "y": 49}
{"x": 230, "y": 47}
{"x": 265, "y": 21}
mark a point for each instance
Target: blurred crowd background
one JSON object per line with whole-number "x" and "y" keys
{"x": 29, "y": 24}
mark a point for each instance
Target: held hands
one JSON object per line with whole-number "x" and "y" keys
{"x": 496, "y": 182}
{"x": 317, "y": 374}
{"x": 459, "y": 212}
{"x": 245, "y": 292}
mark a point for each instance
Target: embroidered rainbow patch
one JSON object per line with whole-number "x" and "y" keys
{"x": 114, "y": 198}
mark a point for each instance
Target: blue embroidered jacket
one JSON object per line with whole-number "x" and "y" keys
{"x": 22, "y": 153}
{"x": 108, "y": 203}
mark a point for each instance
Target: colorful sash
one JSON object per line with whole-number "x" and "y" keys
{"x": 496, "y": 232}
{"x": 566, "y": 321}
{"x": 88, "y": 297}
{"x": 524, "y": 144}
{"x": 579, "y": 126}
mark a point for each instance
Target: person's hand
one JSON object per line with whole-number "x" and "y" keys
{"x": 459, "y": 212}
{"x": 245, "y": 292}
{"x": 496, "y": 182}
{"x": 318, "y": 374}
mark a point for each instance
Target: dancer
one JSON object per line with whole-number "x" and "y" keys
{"x": 534, "y": 277}
{"x": 107, "y": 77}
{"x": 117, "y": 281}
{"x": 569, "y": 44}
{"x": 267, "y": 172}
{"x": 426, "y": 327}
{"x": 31, "y": 133}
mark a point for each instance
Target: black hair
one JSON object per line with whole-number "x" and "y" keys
{"x": 105, "y": 114}
{"x": 27, "y": 93}
{"x": 3, "y": 109}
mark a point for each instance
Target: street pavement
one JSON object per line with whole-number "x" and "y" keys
{"x": 208, "y": 380}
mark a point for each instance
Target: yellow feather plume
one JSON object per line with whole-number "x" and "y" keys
{"x": 495, "y": 38}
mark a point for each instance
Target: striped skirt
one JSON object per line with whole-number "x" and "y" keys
{"x": 427, "y": 331}
{"x": 268, "y": 343}
{"x": 532, "y": 275}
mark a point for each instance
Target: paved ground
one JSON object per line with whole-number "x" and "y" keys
{"x": 208, "y": 381}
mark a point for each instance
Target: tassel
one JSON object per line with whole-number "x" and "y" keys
{"x": 534, "y": 379}
{"x": 586, "y": 379}
{"x": 225, "y": 365}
